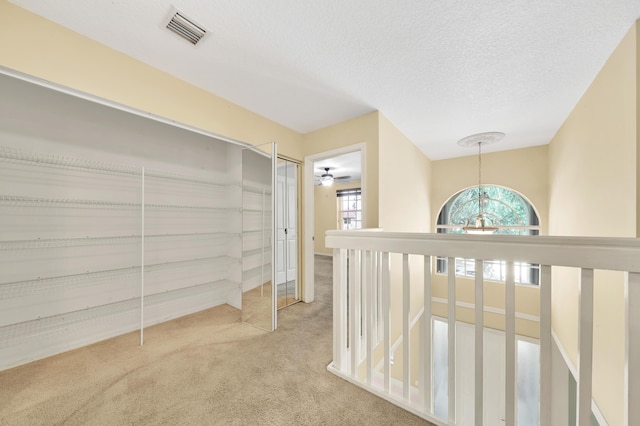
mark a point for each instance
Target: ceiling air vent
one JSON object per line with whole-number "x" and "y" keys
{"x": 186, "y": 28}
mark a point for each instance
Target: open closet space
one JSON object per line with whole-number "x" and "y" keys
{"x": 112, "y": 221}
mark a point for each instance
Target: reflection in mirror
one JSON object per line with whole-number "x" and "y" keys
{"x": 287, "y": 234}
{"x": 257, "y": 224}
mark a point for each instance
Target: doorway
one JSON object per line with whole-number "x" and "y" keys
{"x": 310, "y": 182}
{"x": 287, "y": 233}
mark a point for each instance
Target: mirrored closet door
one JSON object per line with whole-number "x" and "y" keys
{"x": 287, "y": 282}
{"x": 258, "y": 297}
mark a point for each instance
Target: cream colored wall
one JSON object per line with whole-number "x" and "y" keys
{"x": 405, "y": 182}
{"x": 358, "y": 130}
{"x": 38, "y": 47}
{"x": 326, "y": 212}
{"x": 593, "y": 185}
{"x": 362, "y": 129}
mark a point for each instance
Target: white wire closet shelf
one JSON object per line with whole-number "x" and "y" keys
{"x": 66, "y": 162}
{"x": 47, "y": 327}
{"x": 256, "y": 231}
{"x": 156, "y": 267}
{"x": 108, "y": 240}
{"x": 158, "y": 174}
{"x": 257, "y": 211}
{"x": 191, "y": 207}
{"x": 193, "y": 236}
{"x": 15, "y": 289}
{"x": 60, "y": 161}
{"x": 254, "y": 252}
{"x": 256, "y": 189}
{"x": 170, "y": 296}
{"x": 10, "y": 290}
{"x": 24, "y": 201}
{"x": 67, "y": 242}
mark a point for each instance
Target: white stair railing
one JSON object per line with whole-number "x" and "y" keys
{"x": 363, "y": 315}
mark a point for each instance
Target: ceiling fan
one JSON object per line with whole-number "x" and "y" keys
{"x": 327, "y": 178}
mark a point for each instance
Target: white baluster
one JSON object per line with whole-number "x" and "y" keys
{"x": 545, "y": 345}
{"x": 386, "y": 319}
{"x": 479, "y": 343}
{"x": 510, "y": 347}
{"x": 585, "y": 347}
{"x": 406, "y": 320}
{"x": 426, "y": 341}
{"x": 369, "y": 311}
{"x": 375, "y": 285}
{"x": 451, "y": 336}
{"x": 354, "y": 310}
{"x": 380, "y": 312}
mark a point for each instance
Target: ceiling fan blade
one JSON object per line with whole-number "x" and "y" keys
{"x": 342, "y": 177}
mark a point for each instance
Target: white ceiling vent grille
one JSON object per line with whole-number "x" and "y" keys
{"x": 186, "y": 28}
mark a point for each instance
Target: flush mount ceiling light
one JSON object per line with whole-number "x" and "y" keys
{"x": 479, "y": 224}
{"x": 186, "y": 27}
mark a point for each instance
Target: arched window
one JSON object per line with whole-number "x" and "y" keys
{"x": 505, "y": 209}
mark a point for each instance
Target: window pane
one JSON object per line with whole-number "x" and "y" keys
{"x": 349, "y": 203}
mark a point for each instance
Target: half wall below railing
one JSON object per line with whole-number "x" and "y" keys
{"x": 379, "y": 307}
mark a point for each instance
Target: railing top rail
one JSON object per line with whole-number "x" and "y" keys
{"x": 621, "y": 254}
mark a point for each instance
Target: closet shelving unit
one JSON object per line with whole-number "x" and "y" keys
{"x": 257, "y": 230}
{"x": 53, "y": 283}
{"x": 191, "y": 273}
{"x": 90, "y": 250}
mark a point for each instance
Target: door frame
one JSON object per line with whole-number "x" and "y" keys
{"x": 308, "y": 294}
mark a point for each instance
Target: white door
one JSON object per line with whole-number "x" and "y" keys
{"x": 281, "y": 196}
{"x": 287, "y": 233}
{"x": 291, "y": 233}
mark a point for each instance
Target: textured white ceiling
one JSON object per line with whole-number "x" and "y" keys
{"x": 439, "y": 70}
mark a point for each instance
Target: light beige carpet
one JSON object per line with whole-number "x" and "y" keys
{"x": 204, "y": 369}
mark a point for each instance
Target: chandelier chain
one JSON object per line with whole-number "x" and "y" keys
{"x": 480, "y": 226}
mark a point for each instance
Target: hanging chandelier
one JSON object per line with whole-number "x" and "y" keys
{"x": 479, "y": 224}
